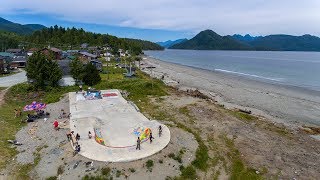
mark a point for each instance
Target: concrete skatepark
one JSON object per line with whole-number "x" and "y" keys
{"x": 115, "y": 125}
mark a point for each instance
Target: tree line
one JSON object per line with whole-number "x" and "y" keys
{"x": 72, "y": 38}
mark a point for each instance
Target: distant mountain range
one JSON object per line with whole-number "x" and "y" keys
{"x": 170, "y": 43}
{"x": 9, "y": 26}
{"x": 209, "y": 40}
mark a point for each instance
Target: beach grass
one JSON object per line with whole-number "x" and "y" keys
{"x": 243, "y": 116}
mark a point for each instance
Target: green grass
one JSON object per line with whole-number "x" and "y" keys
{"x": 118, "y": 173}
{"x": 60, "y": 170}
{"x": 52, "y": 178}
{"x": 149, "y": 165}
{"x": 132, "y": 170}
{"x": 243, "y": 116}
{"x": 188, "y": 173}
{"x": 202, "y": 156}
{"x": 177, "y": 157}
{"x": 238, "y": 170}
{"x": 105, "y": 171}
{"x": 104, "y": 175}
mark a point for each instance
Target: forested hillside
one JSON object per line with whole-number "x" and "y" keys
{"x": 9, "y": 26}
{"x": 66, "y": 38}
{"x": 9, "y": 40}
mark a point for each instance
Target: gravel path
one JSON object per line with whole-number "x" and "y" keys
{"x": 40, "y": 134}
{"x": 13, "y": 79}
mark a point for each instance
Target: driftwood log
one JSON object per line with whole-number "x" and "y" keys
{"x": 245, "y": 111}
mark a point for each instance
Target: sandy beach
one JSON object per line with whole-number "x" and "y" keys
{"x": 288, "y": 105}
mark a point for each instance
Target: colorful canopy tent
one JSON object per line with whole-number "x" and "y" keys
{"x": 34, "y": 106}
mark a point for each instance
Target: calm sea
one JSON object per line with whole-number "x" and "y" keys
{"x": 300, "y": 69}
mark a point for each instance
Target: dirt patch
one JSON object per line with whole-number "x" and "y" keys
{"x": 2, "y": 93}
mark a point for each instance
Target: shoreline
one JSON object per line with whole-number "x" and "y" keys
{"x": 290, "y": 105}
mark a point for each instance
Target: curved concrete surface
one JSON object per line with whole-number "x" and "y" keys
{"x": 117, "y": 120}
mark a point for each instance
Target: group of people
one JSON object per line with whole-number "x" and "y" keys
{"x": 76, "y": 144}
{"x": 150, "y": 138}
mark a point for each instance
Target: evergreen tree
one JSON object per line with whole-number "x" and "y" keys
{"x": 91, "y": 75}
{"x": 76, "y": 69}
{"x": 43, "y": 70}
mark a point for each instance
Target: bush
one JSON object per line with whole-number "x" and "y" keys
{"x": 91, "y": 75}
{"x": 188, "y": 173}
{"x": 105, "y": 171}
{"x": 149, "y": 163}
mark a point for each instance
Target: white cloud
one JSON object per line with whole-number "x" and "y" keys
{"x": 225, "y": 17}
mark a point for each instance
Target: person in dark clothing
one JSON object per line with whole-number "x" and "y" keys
{"x": 76, "y": 149}
{"x": 160, "y": 131}
{"x": 138, "y": 143}
{"x": 89, "y": 135}
{"x": 69, "y": 136}
{"x": 77, "y": 137}
{"x": 151, "y": 137}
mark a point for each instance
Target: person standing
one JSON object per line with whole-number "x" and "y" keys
{"x": 89, "y": 135}
{"x": 151, "y": 137}
{"x": 56, "y": 125}
{"x": 78, "y": 137}
{"x": 160, "y": 130}
{"x": 138, "y": 143}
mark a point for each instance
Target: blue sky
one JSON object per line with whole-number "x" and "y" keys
{"x": 161, "y": 20}
{"x": 130, "y": 32}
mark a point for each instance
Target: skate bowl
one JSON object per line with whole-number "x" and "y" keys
{"x": 115, "y": 125}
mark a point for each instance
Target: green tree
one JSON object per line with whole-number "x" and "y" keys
{"x": 91, "y": 75}
{"x": 43, "y": 70}
{"x": 77, "y": 69}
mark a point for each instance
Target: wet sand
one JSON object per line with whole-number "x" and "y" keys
{"x": 283, "y": 104}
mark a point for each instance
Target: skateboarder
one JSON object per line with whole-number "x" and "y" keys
{"x": 151, "y": 137}
{"x": 160, "y": 131}
{"x": 138, "y": 143}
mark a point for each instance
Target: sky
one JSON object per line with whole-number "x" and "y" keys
{"x": 161, "y": 20}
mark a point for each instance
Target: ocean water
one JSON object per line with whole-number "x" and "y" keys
{"x": 300, "y": 69}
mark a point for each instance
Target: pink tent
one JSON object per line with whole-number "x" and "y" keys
{"x": 34, "y": 106}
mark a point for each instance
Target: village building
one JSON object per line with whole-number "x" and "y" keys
{"x": 14, "y": 51}
{"x": 3, "y": 65}
{"x": 86, "y": 57}
{"x": 19, "y": 62}
{"x": 31, "y": 51}
{"x": 84, "y": 46}
{"x": 72, "y": 52}
{"x": 97, "y": 64}
{"x": 57, "y": 53}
